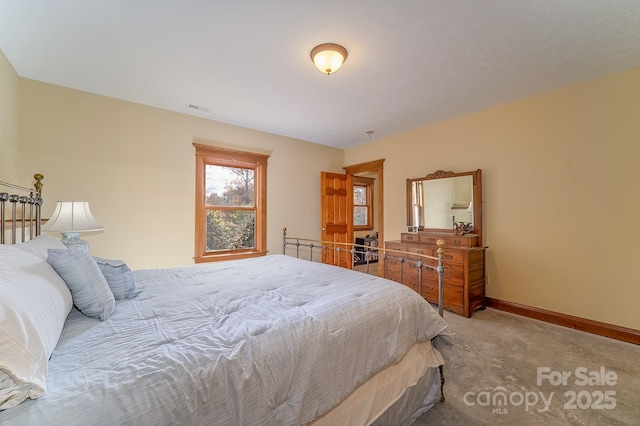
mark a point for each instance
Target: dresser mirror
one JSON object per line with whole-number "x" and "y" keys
{"x": 438, "y": 200}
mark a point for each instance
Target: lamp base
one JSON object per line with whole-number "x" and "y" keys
{"x": 72, "y": 240}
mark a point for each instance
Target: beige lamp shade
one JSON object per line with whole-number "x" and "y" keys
{"x": 328, "y": 57}
{"x": 72, "y": 216}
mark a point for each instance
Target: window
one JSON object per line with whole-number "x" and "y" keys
{"x": 362, "y": 203}
{"x": 231, "y": 204}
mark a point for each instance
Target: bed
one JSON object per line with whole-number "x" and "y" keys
{"x": 274, "y": 340}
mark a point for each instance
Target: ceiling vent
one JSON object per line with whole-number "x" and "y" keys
{"x": 199, "y": 108}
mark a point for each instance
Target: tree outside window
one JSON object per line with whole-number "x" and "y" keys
{"x": 230, "y": 204}
{"x": 231, "y": 218}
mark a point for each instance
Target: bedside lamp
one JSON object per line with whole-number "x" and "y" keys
{"x": 70, "y": 218}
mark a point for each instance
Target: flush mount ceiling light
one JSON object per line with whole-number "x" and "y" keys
{"x": 328, "y": 57}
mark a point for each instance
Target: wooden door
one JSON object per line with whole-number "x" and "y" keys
{"x": 337, "y": 217}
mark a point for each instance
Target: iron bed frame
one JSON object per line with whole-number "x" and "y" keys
{"x": 403, "y": 258}
{"x": 31, "y": 218}
{"x": 34, "y": 215}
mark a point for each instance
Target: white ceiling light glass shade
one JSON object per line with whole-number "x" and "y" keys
{"x": 328, "y": 57}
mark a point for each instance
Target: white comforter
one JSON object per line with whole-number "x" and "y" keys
{"x": 272, "y": 340}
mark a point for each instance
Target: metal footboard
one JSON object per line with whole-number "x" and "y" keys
{"x": 315, "y": 250}
{"x": 29, "y": 218}
{"x": 318, "y": 251}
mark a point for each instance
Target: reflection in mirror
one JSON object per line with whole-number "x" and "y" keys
{"x": 447, "y": 201}
{"x": 440, "y": 199}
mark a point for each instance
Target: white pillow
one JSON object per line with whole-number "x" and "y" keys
{"x": 40, "y": 244}
{"x": 34, "y": 304}
{"x": 89, "y": 288}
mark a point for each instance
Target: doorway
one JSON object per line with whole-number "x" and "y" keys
{"x": 371, "y": 172}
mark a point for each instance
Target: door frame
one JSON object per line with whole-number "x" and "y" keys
{"x": 376, "y": 166}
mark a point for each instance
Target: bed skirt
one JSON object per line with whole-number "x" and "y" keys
{"x": 395, "y": 396}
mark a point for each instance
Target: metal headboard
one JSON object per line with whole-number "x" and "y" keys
{"x": 30, "y": 217}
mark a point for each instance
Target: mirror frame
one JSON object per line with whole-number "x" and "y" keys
{"x": 477, "y": 199}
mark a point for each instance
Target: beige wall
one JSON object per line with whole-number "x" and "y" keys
{"x": 8, "y": 120}
{"x": 561, "y": 197}
{"x": 560, "y": 194}
{"x": 136, "y": 166}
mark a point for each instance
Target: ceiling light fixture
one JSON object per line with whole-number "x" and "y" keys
{"x": 328, "y": 57}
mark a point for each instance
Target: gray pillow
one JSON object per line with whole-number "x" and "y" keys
{"x": 89, "y": 289}
{"x": 119, "y": 277}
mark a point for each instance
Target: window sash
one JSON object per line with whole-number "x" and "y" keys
{"x": 249, "y": 203}
{"x": 368, "y": 206}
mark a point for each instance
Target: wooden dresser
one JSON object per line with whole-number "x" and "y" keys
{"x": 464, "y": 269}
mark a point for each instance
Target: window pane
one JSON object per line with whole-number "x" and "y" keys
{"x": 360, "y": 216}
{"x": 229, "y": 186}
{"x": 230, "y": 229}
{"x": 360, "y": 195}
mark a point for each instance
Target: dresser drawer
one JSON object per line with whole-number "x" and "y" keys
{"x": 450, "y": 256}
{"x": 391, "y": 271}
{"x": 469, "y": 240}
{"x": 404, "y": 255}
{"x": 425, "y": 251}
{"x": 453, "y": 274}
{"x": 395, "y": 246}
{"x": 454, "y": 299}
{"x": 453, "y": 256}
{"x": 403, "y": 272}
{"x": 430, "y": 291}
{"x": 431, "y": 239}
{"x": 452, "y": 295}
{"x": 410, "y": 238}
{"x": 410, "y": 277}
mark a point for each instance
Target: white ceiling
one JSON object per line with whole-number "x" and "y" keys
{"x": 411, "y": 63}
